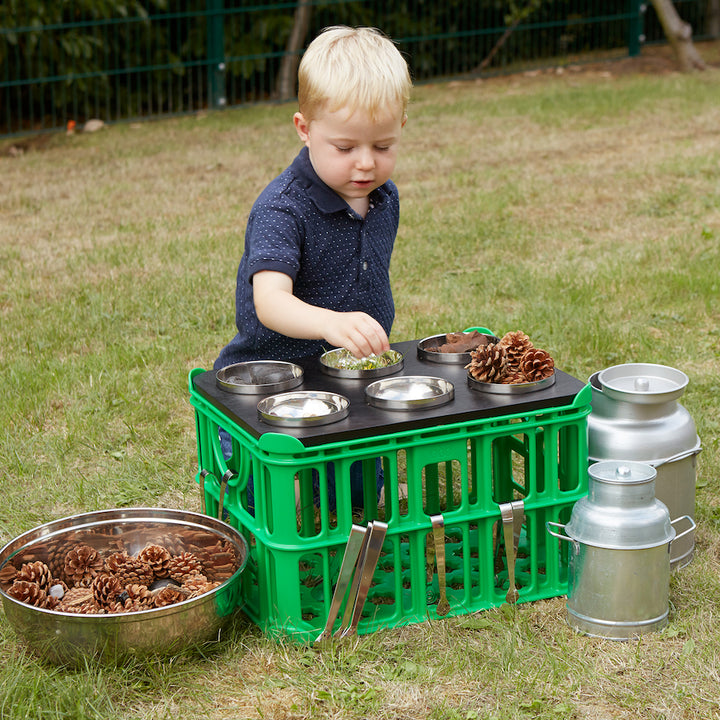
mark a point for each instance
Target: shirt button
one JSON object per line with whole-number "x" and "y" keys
{"x": 364, "y": 265}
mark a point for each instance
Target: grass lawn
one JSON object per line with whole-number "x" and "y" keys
{"x": 580, "y": 205}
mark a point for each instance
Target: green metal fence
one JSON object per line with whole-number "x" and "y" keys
{"x": 117, "y": 60}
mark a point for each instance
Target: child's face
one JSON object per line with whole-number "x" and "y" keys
{"x": 351, "y": 153}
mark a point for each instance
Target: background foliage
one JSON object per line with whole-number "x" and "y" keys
{"x": 123, "y": 59}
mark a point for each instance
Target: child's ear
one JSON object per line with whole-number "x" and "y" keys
{"x": 302, "y": 126}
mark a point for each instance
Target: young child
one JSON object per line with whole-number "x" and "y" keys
{"x": 315, "y": 268}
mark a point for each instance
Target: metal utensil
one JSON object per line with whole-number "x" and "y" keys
{"x": 355, "y": 584}
{"x": 512, "y": 516}
{"x": 349, "y": 561}
{"x": 438, "y": 527}
{"x": 375, "y": 537}
{"x": 229, "y": 474}
{"x": 203, "y": 474}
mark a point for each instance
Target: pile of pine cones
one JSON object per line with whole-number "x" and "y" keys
{"x": 512, "y": 360}
{"x": 86, "y": 582}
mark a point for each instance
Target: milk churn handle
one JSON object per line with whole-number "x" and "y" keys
{"x": 549, "y": 523}
{"x": 684, "y": 532}
{"x": 680, "y": 456}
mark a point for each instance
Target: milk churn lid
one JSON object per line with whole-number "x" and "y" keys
{"x": 643, "y": 383}
{"x": 625, "y": 472}
{"x": 620, "y": 511}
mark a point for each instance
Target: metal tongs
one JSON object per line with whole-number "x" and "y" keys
{"x": 356, "y": 570}
{"x": 513, "y": 514}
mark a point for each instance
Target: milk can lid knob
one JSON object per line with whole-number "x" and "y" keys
{"x": 642, "y": 384}
{"x": 623, "y": 472}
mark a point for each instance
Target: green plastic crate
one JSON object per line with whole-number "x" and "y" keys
{"x": 463, "y": 470}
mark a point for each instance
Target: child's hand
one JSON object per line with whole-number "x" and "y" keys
{"x": 361, "y": 334}
{"x": 278, "y": 309}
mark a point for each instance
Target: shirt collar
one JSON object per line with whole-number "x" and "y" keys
{"x": 327, "y": 200}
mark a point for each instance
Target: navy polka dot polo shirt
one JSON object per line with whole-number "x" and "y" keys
{"x": 336, "y": 258}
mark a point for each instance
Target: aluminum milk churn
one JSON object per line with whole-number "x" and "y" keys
{"x": 635, "y": 416}
{"x": 619, "y": 560}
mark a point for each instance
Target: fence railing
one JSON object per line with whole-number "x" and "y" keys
{"x": 117, "y": 60}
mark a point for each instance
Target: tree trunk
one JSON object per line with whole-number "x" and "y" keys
{"x": 713, "y": 18}
{"x": 285, "y": 83}
{"x": 679, "y": 35}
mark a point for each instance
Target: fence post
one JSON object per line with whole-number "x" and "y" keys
{"x": 636, "y": 34}
{"x": 216, "y": 53}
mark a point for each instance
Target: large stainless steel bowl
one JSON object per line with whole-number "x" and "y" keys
{"x": 66, "y": 637}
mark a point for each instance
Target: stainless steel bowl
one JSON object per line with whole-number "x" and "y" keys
{"x": 303, "y": 408}
{"x": 410, "y": 392}
{"x": 330, "y": 361}
{"x": 258, "y": 377}
{"x": 510, "y": 389}
{"x": 426, "y": 349}
{"x": 66, "y": 638}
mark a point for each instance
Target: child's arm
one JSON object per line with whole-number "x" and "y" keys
{"x": 278, "y": 309}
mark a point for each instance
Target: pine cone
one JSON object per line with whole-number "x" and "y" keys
{"x": 86, "y": 608}
{"x": 27, "y": 592}
{"x": 183, "y": 566}
{"x": 140, "y": 596}
{"x": 8, "y": 575}
{"x": 37, "y": 572}
{"x": 198, "y": 587}
{"x": 514, "y": 377}
{"x": 105, "y": 589}
{"x": 169, "y": 595}
{"x": 195, "y": 582}
{"x": 74, "y": 598}
{"x": 516, "y": 344}
{"x": 157, "y": 557}
{"x": 536, "y": 364}
{"x": 126, "y": 605}
{"x": 488, "y": 363}
{"x": 82, "y": 564}
{"x": 114, "y": 561}
{"x": 219, "y": 560}
{"x": 57, "y": 550}
{"x": 129, "y": 570}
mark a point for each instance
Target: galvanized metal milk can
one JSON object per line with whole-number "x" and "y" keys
{"x": 619, "y": 562}
{"x": 635, "y": 416}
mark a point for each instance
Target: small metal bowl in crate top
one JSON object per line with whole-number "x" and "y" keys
{"x": 303, "y": 408}
{"x": 454, "y": 348}
{"x": 258, "y": 377}
{"x": 341, "y": 363}
{"x": 410, "y": 392}
{"x": 510, "y": 388}
{"x": 69, "y": 637}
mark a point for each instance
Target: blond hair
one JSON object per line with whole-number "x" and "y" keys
{"x": 353, "y": 68}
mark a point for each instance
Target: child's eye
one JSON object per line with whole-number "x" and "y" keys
{"x": 343, "y": 149}
{"x": 382, "y": 148}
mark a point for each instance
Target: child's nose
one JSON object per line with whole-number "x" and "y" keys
{"x": 365, "y": 159}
